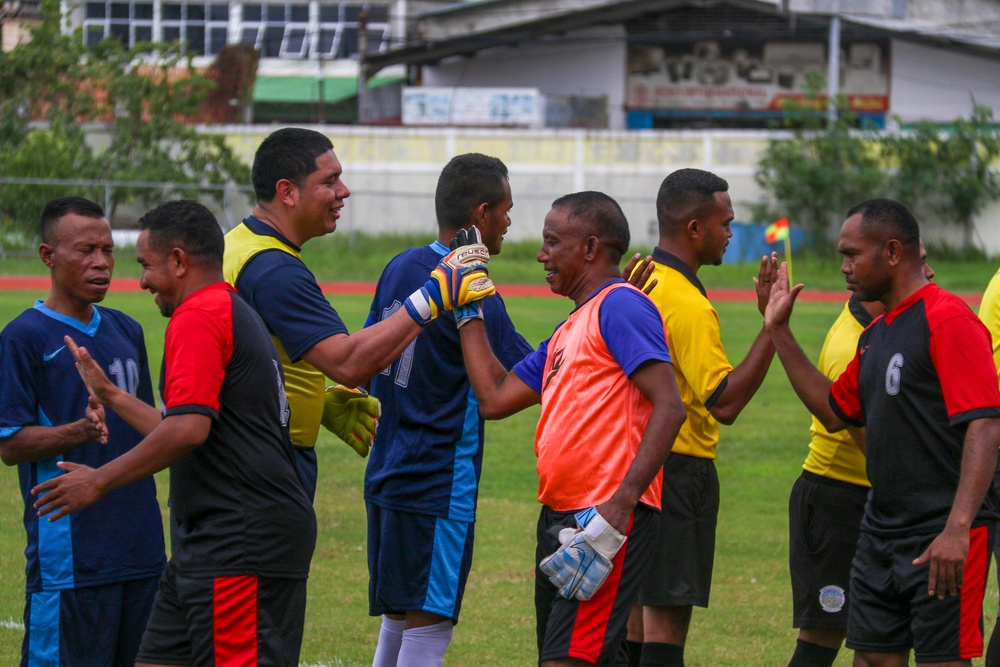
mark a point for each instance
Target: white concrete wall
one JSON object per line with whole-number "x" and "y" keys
{"x": 589, "y": 62}
{"x": 392, "y": 173}
{"x": 936, "y": 83}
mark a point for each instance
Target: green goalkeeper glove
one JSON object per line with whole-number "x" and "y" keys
{"x": 352, "y": 415}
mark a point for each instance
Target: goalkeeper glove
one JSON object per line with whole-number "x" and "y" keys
{"x": 459, "y": 279}
{"x": 581, "y": 565}
{"x": 352, "y": 415}
{"x": 473, "y": 310}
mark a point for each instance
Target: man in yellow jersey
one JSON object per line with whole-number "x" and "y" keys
{"x": 300, "y": 193}
{"x": 826, "y": 506}
{"x": 694, "y": 211}
{"x": 989, "y": 313}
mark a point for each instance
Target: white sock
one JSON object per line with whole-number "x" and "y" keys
{"x": 425, "y": 647}
{"x": 389, "y": 639}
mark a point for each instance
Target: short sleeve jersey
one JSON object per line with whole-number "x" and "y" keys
{"x": 836, "y": 455}
{"x": 701, "y": 367}
{"x": 921, "y": 373}
{"x": 428, "y": 450}
{"x": 593, "y": 417}
{"x": 237, "y": 498}
{"x": 120, "y": 537}
{"x": 268, "y": 273}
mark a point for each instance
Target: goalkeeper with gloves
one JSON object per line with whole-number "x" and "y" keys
{"x": 300, "y": 193}
{"x": 422, "y": 478}
{"x": 610, "y": 412}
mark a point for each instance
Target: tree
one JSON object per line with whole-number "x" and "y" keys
{"x": 142, "y": 97}
{"x": 823, "y": 169}
{"x": 946, "y": 172}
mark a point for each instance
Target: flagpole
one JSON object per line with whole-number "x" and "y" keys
{"x": 788, "y": 258}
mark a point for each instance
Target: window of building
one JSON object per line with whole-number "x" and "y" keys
{"x": 202, "y": 27}
{"x": 338, "y": 29}
{"x": 276, "y": 29}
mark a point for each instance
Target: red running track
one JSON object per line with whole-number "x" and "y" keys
{"x": 41, "y": 284}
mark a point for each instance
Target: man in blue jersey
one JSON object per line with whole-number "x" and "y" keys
{"x": 90, "y": 579}
{"x": 422, "y": 479}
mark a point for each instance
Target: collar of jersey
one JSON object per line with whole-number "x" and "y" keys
{"x": 440, "y": 248}
{"x": 661, "y": 256}
{"x": 264, "y": 229}
{"x": 909, "y": 301}
{"x": 86, "y": 329}
{"x": 863, "y": 317}
{"x": 598, "y": 291}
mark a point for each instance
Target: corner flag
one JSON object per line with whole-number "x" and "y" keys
{"x": 777, "y": 231}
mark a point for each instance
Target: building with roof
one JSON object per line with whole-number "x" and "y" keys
{"x": 710, "y": 63}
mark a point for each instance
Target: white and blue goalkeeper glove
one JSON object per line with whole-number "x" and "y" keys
{"x": 459, "y": 279}
{"x": 581, "y": 565}
{"x": 352, "y": 415}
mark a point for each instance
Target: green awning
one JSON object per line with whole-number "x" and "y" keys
{"x": 305, "y": 89}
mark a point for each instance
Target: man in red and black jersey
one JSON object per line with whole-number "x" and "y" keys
{"x": 234, "y": 590}
{"x": 923, "y": 383}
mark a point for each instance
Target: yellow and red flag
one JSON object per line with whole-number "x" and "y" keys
{"x": 777, "y": 231}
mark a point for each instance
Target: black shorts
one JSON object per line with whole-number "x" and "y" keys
{"x": 681, "y": 572}
{"x": 892, "y": 612}
{"x": 593, "y": 630}
{"x": 225, "y": 620}
{"x": 824, "y": 522}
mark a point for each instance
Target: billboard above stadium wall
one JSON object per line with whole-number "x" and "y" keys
{"x": 751, "y": 77}
{"x": 473, "y": 107}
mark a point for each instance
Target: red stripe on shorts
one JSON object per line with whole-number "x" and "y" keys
{"x": 591, "y": 624}
{"x": 977, "y": 563}
{"x": 235, "y": 621}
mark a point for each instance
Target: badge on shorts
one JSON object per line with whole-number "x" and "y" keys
{"x": 831, "y": 598}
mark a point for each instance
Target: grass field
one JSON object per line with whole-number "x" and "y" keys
{"x": 760, "y": 456}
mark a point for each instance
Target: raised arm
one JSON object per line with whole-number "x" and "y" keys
{"x": 655, "y": 380}
{"x": 353, "y": 359}
{"x": 744, "y": 380}
{"x": 500, "y": 392}
{"x": 459, "y": 279}
{"x": 137, "y": 413}
{"x": 810, "y": 385}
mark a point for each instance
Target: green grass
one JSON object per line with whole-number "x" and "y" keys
{"x": 760, "y": 456}
{"x": 361, "y": 257}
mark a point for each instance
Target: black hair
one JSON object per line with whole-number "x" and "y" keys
{"x": 886, "y": 219}
{"x": 290, "y": 154}
{"x": 683, "y": 190}
{"x": 187, "y": 225}
{"x": 466, "y": 182}
{"x": 56, "y": 208}
{"x": 602, "y": 215}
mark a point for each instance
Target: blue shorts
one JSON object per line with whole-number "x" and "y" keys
{"x": 417, "y": 562}
{"x": 72, "y": 627}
